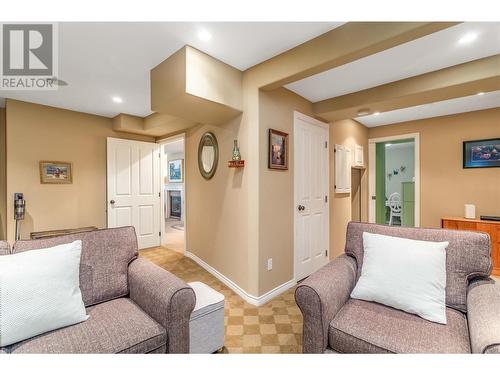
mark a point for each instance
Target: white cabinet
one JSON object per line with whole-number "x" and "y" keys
{"x": 359, "y": 161}
{"x": 343, "y": 163}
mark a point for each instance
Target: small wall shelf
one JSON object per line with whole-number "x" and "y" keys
{"x": 236, "y": 163}
{"x": 358, "y": 167}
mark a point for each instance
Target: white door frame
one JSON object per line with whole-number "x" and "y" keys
{"x": 311, "y": 120}
{"x": 372, "y": 172}
{"x": 163, "y": 165}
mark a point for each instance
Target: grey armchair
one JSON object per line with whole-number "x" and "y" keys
{"x": 333, "y": 322}
{"x": 134, "y": 305}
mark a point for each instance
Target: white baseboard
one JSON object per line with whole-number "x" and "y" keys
{"x": 253, "y": 300}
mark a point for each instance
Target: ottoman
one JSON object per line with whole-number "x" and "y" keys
{"x": 206, "y": 327}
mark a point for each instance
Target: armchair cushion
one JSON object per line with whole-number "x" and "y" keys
{"x": 164, "y": 297}
{"x": 483, "y": 307}
{"x": 321, "y": 296}
{"x": 467, "y": 255}
{"x": 369, "y": 327}
{"x": 117, "y": 326}
{"x": 4, "y": 248}
{"x": 104, "y": 262}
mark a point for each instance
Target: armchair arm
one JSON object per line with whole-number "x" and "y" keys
{"x": 483, "y": 307}
{"x": 321, "y": 296}
{"x": 164, "y": 297}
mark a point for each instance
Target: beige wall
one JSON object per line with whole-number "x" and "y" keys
{"x": 348, "y": 133}
{"x": 3, "y": 182}
{"x": 445, "y": 185}
{"x": 276, "y": 215}
{"x": 195, "y": 86}
{"x": 216, "y": 209}
{"x": 36, "y": 132}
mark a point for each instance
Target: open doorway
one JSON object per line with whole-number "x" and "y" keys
{"x": 173, "y": 194}
{"x": 394, "y": 181}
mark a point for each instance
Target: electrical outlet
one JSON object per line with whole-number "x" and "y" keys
{"x": 270, "y": 264}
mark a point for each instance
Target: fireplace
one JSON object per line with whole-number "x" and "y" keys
{"x": 175, "y": 203}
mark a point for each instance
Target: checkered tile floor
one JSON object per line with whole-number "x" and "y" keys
{"x": 275, "y": 327}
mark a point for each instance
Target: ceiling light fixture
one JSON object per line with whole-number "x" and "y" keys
{"x": 117, "y": 99}
{"x": 480, "y": 93}
{"x": 56, "y": 81}
{"x": 376, "y": 113}
{"x": 468, "y": 38}
{"x": 363, "y": 112}
{"x": 204, "y": 35}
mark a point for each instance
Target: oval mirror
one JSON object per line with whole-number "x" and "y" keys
{"x": 208, "y": 155}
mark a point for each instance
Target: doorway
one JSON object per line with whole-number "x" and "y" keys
{"x": 394, "y": 180}
{"x": 311, "y": 208}
{"x": 173, "y": 193}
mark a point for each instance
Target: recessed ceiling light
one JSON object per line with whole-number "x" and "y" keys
{"x": 468, "y": 38}
{"x": 117, "y": 99}
{"x": 480, "y": 93}
{"x": 204, "y": 35}
{"x": 376, "y": 113}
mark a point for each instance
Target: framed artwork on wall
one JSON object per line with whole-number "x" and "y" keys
{"x": 278, "y": 150}
{"x": 484, "y": 153}
{"x": 56, "y": 172}
{"x": 176, "y": 170}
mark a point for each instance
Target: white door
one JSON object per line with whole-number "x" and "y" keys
{"x": 134, "y": 188}
{"x": 311, "y": 170}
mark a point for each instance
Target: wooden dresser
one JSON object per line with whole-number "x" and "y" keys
{"x": 488, "y": 226}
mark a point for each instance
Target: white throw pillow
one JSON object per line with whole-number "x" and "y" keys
{"x": 406, "y": 274}
{"x": 40, "y": 292}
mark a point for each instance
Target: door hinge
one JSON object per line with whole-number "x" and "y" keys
{"x": 326, "y": 253}
{"x": 326, "y": 198}
{"x": 159, "y": 234}
{"x": 159, "y": 195}
{"x": 326, "y": 144}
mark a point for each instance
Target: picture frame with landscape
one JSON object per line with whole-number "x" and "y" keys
{"x": 484, "y": 153}
{"x": 176, "y": 170}
{"x": 56, "y": 172}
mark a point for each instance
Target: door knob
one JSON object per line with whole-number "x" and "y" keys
{"x": 112, "y": 201}
{"x": 301, "y": 208}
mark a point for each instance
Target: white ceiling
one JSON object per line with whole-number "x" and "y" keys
{"x": 443, "y": 108}
{"x": 423, "y": 55}
{"x": 102, "y": 60}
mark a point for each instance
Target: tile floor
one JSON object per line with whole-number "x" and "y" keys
{"x": 174, "y": 237}
{"x": 275, "y": 327}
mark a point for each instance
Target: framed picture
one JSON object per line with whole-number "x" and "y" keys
{"x": 278, "y": 150}
{"x": 176, "y": 170}
{"x": 56, "y": 172}
{"x": 483, "y": 153}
